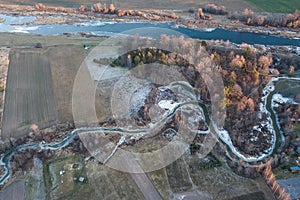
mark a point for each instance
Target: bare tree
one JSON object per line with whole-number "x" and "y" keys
{"x": 97, "y": 7}
{"x": 40, "y": 7}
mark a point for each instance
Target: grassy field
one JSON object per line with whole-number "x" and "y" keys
{"x": 107, "y": 183}
{"x": 62, "y": 177}
{"x": 277, "y": 6}
{"x": 26, "y": 40}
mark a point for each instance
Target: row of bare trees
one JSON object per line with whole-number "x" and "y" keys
{"x": 265, "y": 170}
{"x": 270, "y": 178}
{"x": 103, "y": 9}
{"x": 274, "y": 20}
{"x": 211, "y": 9}
{"x": 214, "y": 9}
{"x": 42, "y": 7}
{"x": 99, "y": 8}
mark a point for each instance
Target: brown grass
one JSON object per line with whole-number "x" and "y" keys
{"x": 65, "y": 62}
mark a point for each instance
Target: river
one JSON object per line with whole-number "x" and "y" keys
{"x": 279, "y": 137}
{"x": 110, "y": 28}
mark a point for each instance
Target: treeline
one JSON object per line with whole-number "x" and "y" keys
{"x": 137, "y": 57}
{"x": 99, "y": 8}
{"x": 103, "y": 9}
{"x": 274, "y": 20}
{"x": 270, "y": 178}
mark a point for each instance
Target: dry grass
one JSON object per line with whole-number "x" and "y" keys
{"x": 65, "y": 62}
{"x": 218, "y": 182}
{"x": 222, "y": 183}
{"x": 111, "y": 184}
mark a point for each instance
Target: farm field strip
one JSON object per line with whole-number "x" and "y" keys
{"x": 29, "y": 93}
{"x": 4, "y": 52}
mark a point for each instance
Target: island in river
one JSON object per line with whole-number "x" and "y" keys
{"x": 259, "y": 131}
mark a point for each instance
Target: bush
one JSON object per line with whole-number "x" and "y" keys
{"x": 38, "y": 45}
{"x": 191, "y": 10}
{"x": 203, "y": 43}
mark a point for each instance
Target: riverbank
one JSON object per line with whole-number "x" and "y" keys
{"x": 60, "y": 15}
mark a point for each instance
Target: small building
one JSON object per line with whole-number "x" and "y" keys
{"x": 86, "y": 46}
{"x": 295, "y": 169}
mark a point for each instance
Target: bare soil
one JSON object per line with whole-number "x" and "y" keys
{"x": 29, "y": 94}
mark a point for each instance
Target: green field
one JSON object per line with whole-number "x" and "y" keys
{"x": 277, "y": 6}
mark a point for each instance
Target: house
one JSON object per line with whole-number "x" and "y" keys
{"x": 295, "y": 169}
